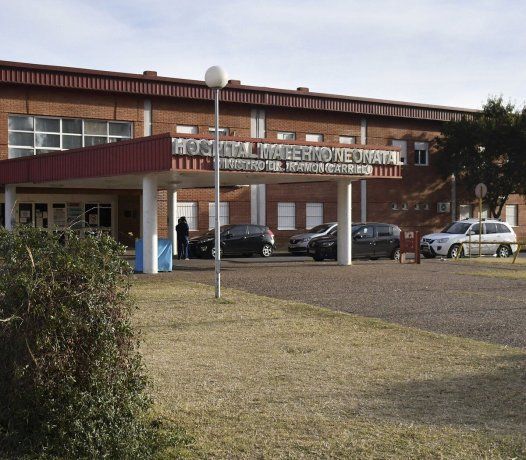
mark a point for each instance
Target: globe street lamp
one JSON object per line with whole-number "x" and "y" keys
{"x": 216, "y": 78}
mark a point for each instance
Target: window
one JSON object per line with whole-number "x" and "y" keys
{"x": 485, "y": 211}
{"x": 188, "y": 209}
{"x": 223, "y": 214}
{"x": 186, "y": 129}
{"x": 222, "y": 131}
{"x": 365, "y": 232}
{"x": 33, "y": 135}
{"x": 314, "y": 137}
{"x": 286, "y": 216}
{"x": 405, "y": 206}
{"x": 97, "y": 215}
{"x": 403, "y": 149}
{"x": 501, "y": 228}
{"x": 512, "y": 214}
{"x": 255, "y": 230}
{"x": 347, "y": 140}
{"x": 286, "y": 136}
{"x": 237, "y": 230}
{"x": 384, "y": 230}
{"x": 394, "y": 206}
{"x": 490, "y": 227}
{"x": 465, "y": 211}
{"x": 421, "y": 153}
{"x": 314, "y": 213}
{"x": 418, "y": 206}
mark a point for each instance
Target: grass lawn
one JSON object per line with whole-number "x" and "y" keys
{"x": 256, "y": 377}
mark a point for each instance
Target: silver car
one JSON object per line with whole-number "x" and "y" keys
{"x": 299, "y": 244}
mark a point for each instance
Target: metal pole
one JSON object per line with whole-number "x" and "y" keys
{"x": 480, "y": 226}
{"x": 216, "y": 192}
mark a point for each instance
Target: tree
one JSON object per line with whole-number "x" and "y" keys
{"x": 489, "y": 147}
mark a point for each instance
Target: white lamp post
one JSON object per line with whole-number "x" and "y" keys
{"x": 216, "y": 78}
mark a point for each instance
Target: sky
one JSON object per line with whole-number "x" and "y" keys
{"x": 445, "y": 52}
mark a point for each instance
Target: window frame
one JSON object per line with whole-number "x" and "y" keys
{"x": 281, "y": 135}
{"x": 224, "y": 217}
{"x": 352, "y": 138}
{"x": 192, "y": 221}
{"x": 307, "y": 216}
{"x": 402, "y": 144}
{"x": 110, "y": 138}
{"x": 321, "y": 137}
{"x": 421, "y": 150}
{"x": 290, "y": 205}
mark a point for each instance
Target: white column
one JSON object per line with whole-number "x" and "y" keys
{"x": 149, "y": 218}
{"x": 344, "y": 222}
{"x": 10, "y": 204}
{"x": 172, "y": 218}
{"x": 258, "y": 192}
{"x": 147, "y": 117}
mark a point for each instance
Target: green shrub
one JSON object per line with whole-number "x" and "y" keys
{"x": 71, "y": 380}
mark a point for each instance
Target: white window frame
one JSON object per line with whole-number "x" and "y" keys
{"x": 190, "y": 210}
{"x": 313, "y": 215}
{"x": 422, "y": 147}
{"x": 402, "y": 144}
{"x": 187, "y": 129}
{"x": 314, "y": 137}
{"x": 347, "y": 140}
{"x": 108, "y": 137}
{"x": 224, "y": 214}
{"x": 286, "y": 136}
{"x": 515, "y": 221}
{"x": 222, "y": 131}
{"x": 462, "y": 211}
{"x": 286, "y": 216}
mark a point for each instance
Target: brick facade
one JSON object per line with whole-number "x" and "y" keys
{"x": 420, "y": 184}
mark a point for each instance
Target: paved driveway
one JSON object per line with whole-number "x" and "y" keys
{"x": 440, "y": 296}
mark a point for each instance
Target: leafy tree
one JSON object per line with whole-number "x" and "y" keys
{"x": 489, "y": 147}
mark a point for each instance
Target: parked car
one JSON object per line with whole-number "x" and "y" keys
{"x": 497, "y": 239}
{"x": 239, "y": 239}
{"x": 369, "y": 241}
{"x": 299, "y": 244}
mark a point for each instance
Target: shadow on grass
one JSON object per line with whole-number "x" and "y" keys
{"x": 494, "y": 399}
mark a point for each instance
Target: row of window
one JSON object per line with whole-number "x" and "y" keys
{"x": 511, "y": 213}
{"x": 286, "y": 214}
{"x": 29, "y": 135}
{"x": 405, "y": 206}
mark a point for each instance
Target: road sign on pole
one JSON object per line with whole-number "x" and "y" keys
{"x": 480, "y": 192}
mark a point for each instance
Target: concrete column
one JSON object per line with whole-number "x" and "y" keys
{"x": 258, "y": 210}
{"x": 363, "y": 200}
{"x": 172, "y": 217}
{"x": 147, "y": 117}
{"x": 10, "y": 206}
{"x": 149, "y": 219}
{"x": 344, "y": 222}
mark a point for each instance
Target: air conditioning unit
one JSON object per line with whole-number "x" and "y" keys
{"x": 444, "y": 207}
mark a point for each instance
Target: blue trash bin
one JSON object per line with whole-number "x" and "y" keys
{"x": 164, "y": 258}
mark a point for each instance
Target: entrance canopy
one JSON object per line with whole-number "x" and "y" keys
{"x": 170, "y": 162}
{"x": 186, "y": 162}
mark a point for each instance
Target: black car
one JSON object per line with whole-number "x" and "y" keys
{"x": 240, "y": 239}
{"x": 369, "y": 241}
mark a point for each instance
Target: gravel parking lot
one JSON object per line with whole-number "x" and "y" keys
{"x": 480, "y": 301}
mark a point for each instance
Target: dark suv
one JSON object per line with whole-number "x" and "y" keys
{"x": 240, "y": 239}
{"x": 369, "y": 241}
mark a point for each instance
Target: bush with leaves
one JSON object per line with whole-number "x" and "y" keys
{"x": 71, "y": 380}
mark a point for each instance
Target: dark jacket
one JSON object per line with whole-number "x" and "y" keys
{"x": 182, "y": 230}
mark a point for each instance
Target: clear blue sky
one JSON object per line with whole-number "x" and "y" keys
{"x": 440, "y": 52}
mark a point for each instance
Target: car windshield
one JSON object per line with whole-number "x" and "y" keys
{"x": 457, "y": 228}
{"x": 320, "y": 228}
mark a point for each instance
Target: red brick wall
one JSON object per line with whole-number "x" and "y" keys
{"x": 420, "y": 184}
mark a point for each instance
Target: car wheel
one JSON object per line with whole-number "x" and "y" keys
{"x": 396, "y": 255}
{"x": 266, "y": 250}
{"x": 453, "y": 251}
{"x": 503, "y": 251}
{"x": 213, "y": 252}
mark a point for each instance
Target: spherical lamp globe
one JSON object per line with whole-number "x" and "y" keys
{"x": 216, "y": 77}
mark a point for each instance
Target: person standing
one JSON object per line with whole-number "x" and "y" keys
{"x": 183, "y": 233}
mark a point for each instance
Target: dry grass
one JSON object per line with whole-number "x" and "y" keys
{"x": 255, "y": 377}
